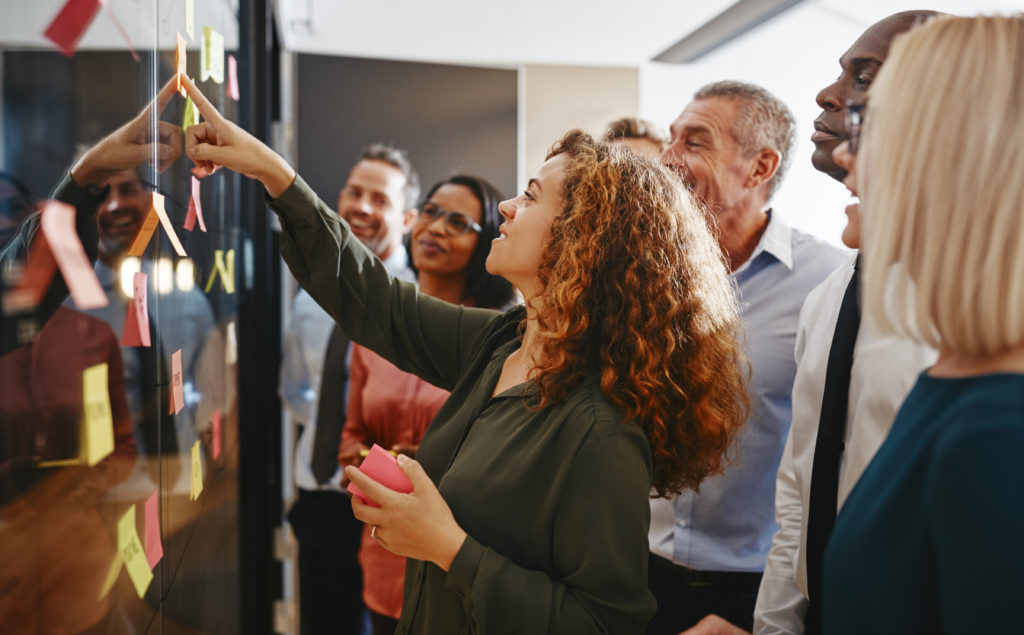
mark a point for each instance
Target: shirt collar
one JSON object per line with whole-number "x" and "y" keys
{"x": 776, "y": 241}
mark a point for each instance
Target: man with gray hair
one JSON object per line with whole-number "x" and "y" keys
{"x": 731, "y": 146}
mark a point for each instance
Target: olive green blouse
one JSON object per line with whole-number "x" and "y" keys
{"x": 554, "y": 500}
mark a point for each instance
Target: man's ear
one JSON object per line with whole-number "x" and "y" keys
{"x": 409, "y": 219}
{"x": 766, "y": 164}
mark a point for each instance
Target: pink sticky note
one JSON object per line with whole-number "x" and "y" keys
{"x": 216, "y": 433}
{"x": 232, "y": 77}
{"x": 70, "y": 24}
{"x": 35, "y": 278}
{"x": 58, "y": 223}
{"x": 154, "y": 546}
{"x": 195, "y": 208}
{"x": 177, "y": 388}
{"x": 382, "y": 467}
{"x": 136, "y": 319}
{"x": 158, "y": 205}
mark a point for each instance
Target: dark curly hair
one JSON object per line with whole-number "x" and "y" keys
{"x": 635, "y": 289}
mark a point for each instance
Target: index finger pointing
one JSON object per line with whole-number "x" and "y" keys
{"x": 206, "y": 109}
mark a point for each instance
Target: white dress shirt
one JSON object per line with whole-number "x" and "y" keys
{"x": 884, "y": 370}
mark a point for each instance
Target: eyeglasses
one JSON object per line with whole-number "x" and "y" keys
{"x": 855, "y": 115}
{"x": 455, "y": 223}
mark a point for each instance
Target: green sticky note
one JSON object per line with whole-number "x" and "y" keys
{"x": 211, "y": 60}
{"x": 197, "y": 473}
{"x": 97, "y": 420}
{"x": 134, "y": 556}
{"x": 190, "y": 19}
{"x": 191, "y": 116}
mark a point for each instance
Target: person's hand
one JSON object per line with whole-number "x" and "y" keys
{"x": 351, "y": 455}
{"x": 403, "y": 448}
{"x": 219, "y": 142}
{"x": 132, "y": 144}
{"x": 416, "y": 525}
{"x": 714, "y": 625}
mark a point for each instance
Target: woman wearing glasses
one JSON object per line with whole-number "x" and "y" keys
{"x": 621, "y": 372}
{"x": 928, "y": 541}
{"x": 448, "y": 244}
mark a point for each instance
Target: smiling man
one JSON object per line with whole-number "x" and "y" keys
{"x": 377, "y": 201}
{"x": 731, "y": 146}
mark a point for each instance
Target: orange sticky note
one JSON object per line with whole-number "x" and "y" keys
{"x": 195, "y": 208}
{"x": 70, "y": 24}
{"x": 58, "y": 224}
{"x": 232, "y": 77}
{"x": 130, "y": 548}
{"x": 154, "y": 547}
{"x": 136, "y": 319}
{"x": 196, "y": 484}
{"x": 216, "y": 433}
{"x": 158, "y": 205}
{"x": 177, "y": 389}
{"x": 145, "y": 233}
{"x": 180, "y": 62}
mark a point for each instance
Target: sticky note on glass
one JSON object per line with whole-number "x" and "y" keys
{"x": 231, "y": 345}
{"x": 180, "y": 62}
{"x": 195, "y": 208}
{"x": 383, "y": 468}
{"x": 177, "y": 387}
{"x": 216, "y": 433}
{"x": 224, "y": 267}
{"x": 190, "y": 19}
{"x": 154, "y": 547}
{"x": 136, "y": 319}
{"x": 149, "y": 225}
{"x": 196, "y": 487}
{"x": 97, "y": 420}
{"x": 212, "y": 62}
{"x": 130, "y": 548}
{"x": 191, "y": 116}
{"x": 70, "y": 24}
{"x": 112, "y": 573}
{"x": 34, "y": 279}
{"x": 232, "y": 77}
{"x": 58, "y": 224}
{"x": 158, "y": 205}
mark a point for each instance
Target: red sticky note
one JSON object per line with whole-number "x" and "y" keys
{"x": 382, "y": 467}
{"x": 154, "y": 547}
{"x": 35, "y": 278}
{"x": 58, "y": 224}
{"x": 136, "y": 319}
{"x": 177, "y": 388}
{"x": 180, "y": 62}
{"x": 195, "y": 208}
{"x": 216, "y": 433}
{"x": 232, "y": 77}
{"x": 120, "y": 28}
{"x": 70, "y": 24}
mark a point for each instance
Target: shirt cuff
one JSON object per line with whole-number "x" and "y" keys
{"x": 67, "y": 191}
{"x": 296, "y": 203}
{"x": 464, "y": 567}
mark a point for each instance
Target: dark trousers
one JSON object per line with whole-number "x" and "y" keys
{"x": 382, "y": 624}
{"x": 685, "y": 596}
{"x": 330, "y": 579}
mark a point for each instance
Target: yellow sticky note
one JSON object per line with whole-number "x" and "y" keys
{"x": 224, "y": 266}
{"x": 97, "y": 420}
{"x": 191, "y": 116}
{"x": 212, "y": 61}
{"x": 134, "y": 556}
{"x": 231, "y": 345}
{"x": 112, "y": 573}
{"x": 190, "y": 19}
{"x": 197, "y": 473}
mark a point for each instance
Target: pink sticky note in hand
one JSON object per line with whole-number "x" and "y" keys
{"x": 136, "y": 319}
{"x": 382, "y": 467}
{"x": 195, "y": 208}
{"x": 58, "y": 224}
{"x": 216, "y": 433}
{"x": 70, "y": 24}
{"x": 232, "y": 77}
{"x": 154, "y": 547}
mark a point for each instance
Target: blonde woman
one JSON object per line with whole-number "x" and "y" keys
{"x": 929, "y": 539}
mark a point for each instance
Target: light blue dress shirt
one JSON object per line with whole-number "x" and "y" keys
{"x": 728, "y": 525}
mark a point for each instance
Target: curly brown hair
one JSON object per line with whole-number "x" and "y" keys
{"x": 635, "y": 288}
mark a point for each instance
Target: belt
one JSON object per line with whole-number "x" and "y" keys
{"x": 697, "y": 577}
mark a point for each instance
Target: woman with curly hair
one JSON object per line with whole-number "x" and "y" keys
{"x": 529, "y": 508}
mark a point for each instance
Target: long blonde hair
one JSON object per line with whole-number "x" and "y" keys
{"x": 942, "y": 189}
